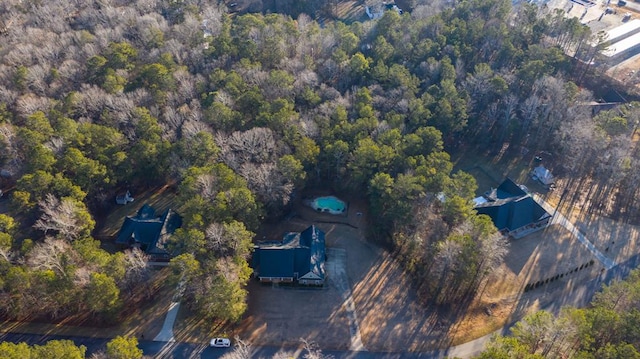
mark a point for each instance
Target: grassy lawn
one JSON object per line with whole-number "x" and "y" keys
{"x": 490, "y": 170}
{"x": 347, "y": 12}
{"x": 350, "y": 11}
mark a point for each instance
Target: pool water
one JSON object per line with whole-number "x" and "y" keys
{"x": 329, "y": 204}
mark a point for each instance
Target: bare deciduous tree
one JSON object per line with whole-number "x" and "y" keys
{"x": 242, "y": 350}
{"x": 62, "y": 216}
{"x": 313, "y": 351}
{"x": 28, "y": 104}
{"x": 446, "y": 261}
{"x": 7, "y": 254}
{"x": 13, "y": 156}
{"x": 52, "y": 254}
{"x": 267, "y": 183}
{"x": 215, "y": 237}
{"x": 207, "y": 186}
{"x": 255, "y": 145}
{"x": 136, "y": 266}
{"x": 530, "y": 112}
{"x": 212, "y": 19}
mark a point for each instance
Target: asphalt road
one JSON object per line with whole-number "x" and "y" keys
{"x": 178, "y": 350}
{"x": 155, "y": 349}
{"x": 579, "y": 297}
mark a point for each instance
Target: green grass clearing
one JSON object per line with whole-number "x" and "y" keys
{"x": 490, "y": 170}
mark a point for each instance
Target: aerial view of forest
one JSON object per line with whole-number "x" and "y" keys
{"x": 229, "y": 113}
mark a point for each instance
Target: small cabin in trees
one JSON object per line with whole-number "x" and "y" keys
{"x": 149, "y": 232}
{"x": 513, "y": 211}
{"x": 298, "y": 258}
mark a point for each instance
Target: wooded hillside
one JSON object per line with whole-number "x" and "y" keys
{"x": 242, "y": 111}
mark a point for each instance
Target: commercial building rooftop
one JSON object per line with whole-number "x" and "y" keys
{"x": 625, "y": 30}
{"x": 622, "y": 46}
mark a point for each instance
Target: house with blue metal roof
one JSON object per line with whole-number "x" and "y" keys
{"x": 513, "y": 211}
{"x": 149, "y": 232}
{"x": 298, "y": 258}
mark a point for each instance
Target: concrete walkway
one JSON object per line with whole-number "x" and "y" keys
{"x": 336, "y": 268}
{"x": 166, "y": 333}
{"x": 559, "y": 218}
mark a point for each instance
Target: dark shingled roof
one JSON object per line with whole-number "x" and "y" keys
{"x": 313, "y": 238}
{"x": 276, "y": 262}
{"x": 507, "y": 189}
{"x": 149, "y": 231}
{"x": 513, "y": 208}
{"x": 302, "y": 253}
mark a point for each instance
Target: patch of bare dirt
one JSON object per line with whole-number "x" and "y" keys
{"x": 391, "y": 315}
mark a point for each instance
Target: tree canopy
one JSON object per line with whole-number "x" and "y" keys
{"x": 240, "y": 112}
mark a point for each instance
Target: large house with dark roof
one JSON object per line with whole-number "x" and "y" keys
{"x": 149, "y": 232}
{"x": 299, "y": 257}
{"x": 513, "y": 211}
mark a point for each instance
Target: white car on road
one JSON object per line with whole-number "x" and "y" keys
{"x": 220, "y": 343}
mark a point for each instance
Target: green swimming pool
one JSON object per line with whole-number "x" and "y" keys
{"x": 329, "y": 204}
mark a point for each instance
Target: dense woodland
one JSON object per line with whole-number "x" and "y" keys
{"x": 241, "y": 112}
